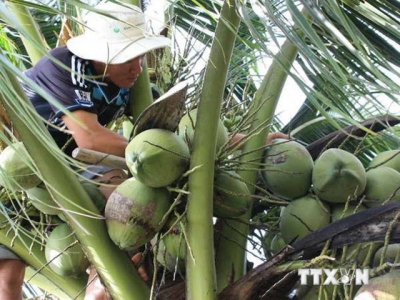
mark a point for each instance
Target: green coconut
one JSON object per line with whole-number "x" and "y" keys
{"x": 340, "y": 211}
{"x": 303, "y": 216}
{"x": 338, "y": 176}
{"x": 135, "y": 212}
{"x": 165, "y": 258}
{"x": 174, "y": 240}
{"x": 64, "y": 259}
{"x": 174, "y": 245}
{"x": 157, "y": 157}
{"x": 389, "y": 158}
{"x": 187, "y": 126}
{"x": 384, "y": 287}
{"x": 266, "y": 242}
{"x": 17, "y": 171}
{"x": 231, "y": 195}
{"x": 95, "y": 194}
{"x": 277, "y": 243}
{"x": 390, "y": 254}
{"x": 288, "y": 169}
{"x": 42, "y": 200}
{"x": 383, "y": 186}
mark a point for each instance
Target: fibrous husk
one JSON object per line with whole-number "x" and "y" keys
{"x": 135, "y": 213}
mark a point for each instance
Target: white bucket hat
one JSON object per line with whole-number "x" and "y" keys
{"x": 115, "y": 34}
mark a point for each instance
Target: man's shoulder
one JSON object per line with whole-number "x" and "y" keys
{"x": 66, "y": 57}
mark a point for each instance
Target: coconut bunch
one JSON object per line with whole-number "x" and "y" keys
{"x": 32, "y": 209}
{"x": 150, "y": 205}
{"x": 323, "y": 191}
{"x": 334, "y": 185}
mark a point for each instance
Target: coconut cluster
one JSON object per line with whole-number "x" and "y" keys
{"x": 20, "y": 177}
{"x": 323, "y": 191}
{"x": 139, "y": 210}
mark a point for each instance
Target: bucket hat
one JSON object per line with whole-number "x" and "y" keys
{"x": 114, "y": 34}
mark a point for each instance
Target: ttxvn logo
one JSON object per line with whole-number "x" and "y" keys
{"x": 334, "y": 276}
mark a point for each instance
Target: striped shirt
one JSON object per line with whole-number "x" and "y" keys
{"x": 72, "y": 84}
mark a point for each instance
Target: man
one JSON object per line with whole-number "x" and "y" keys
{"x": 89, "y": 78}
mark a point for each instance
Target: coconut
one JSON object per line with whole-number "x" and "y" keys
{"x": 95, "y": 194}
{"x": 187, "y": 127}
{"x": 174, "y": 254}
{"x": 17, "y": 171}
{"x": 266, "y": 241}
{"x": 303, "y": 216}
{"x": 389, "y": 158}
{"x": 64, "y": 259}
{"x": 157, "y": 157}
{"x": 389, "y": 254}
{"x": 231, "y": 195}
{"x": 42, "y": 200}
{"x": 135, "y": 213}
{"x": 384, "y": 287}
{"x": 340, "y": 211}
{"x": 170, "y": 262}
{"x": 174, "y": 240}
{"x": 383, "y": 186}
{"x": 288, "y": 169}
{"x": 338, "y": 176}
{"x": 277, "y": 243}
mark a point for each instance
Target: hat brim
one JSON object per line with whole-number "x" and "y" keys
{"x": 87, "y": 47}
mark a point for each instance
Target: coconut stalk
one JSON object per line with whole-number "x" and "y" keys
{"x": 33, "y": 40}
{"x": 234, "y": 233}
{"x": 117, "y": 271}
{"x": 201, "y": 278}
{"x": 45, "y": 284}
{"x": 31, "y": 252}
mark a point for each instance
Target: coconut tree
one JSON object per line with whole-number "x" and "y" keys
{"x": 349, "y": 53}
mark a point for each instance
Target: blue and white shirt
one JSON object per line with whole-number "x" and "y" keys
{"x": 73, "y": 83}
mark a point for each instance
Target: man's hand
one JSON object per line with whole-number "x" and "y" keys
{"x": 88, "y": 133}
{"x": 276, "y": 135}
{"x": 136, "y": 259}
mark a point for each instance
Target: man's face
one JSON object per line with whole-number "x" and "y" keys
{"x": 125, "y": 75}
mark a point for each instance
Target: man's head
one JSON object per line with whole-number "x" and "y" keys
{"x": 116, "y": 35}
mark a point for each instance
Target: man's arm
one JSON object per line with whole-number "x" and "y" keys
{"x": 88, "y": 133}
